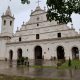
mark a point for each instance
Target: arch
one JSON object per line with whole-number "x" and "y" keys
{"x": 75, "y": 53}
{"x": 10, "y": 55}
{"x": 19, "y": 53}
{"x": 38, "y": 52}
{"x": 60, "y": 52}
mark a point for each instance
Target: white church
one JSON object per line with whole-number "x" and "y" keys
{"x": 38, "y": 38}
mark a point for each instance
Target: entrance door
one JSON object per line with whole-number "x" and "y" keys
{"x": 60, "y": 52}
{"x": 38, "y": 52}
{"x": 19, "y": 53}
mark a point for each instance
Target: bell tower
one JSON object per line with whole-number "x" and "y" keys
{"x": 7, "y": 23}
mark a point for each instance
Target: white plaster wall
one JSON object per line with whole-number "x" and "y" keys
{"x": 2, "y": 49}
{"x": 47, "y": 30}
{"x": 6, "y": 29}
{"x": 52, "y": 45}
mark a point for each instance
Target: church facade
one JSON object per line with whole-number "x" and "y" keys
{"x": 38, "y": 38}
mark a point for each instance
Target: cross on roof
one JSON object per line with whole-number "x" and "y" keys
{"x": 38, "y": 2}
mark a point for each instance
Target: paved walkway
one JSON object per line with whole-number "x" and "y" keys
{"x": 6, "y": 68}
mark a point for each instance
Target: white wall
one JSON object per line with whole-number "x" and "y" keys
{"x": 52, "y": 45}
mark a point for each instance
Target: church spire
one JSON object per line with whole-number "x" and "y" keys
{"x": 38, "y": 2}
{"x": 7, "y": 24}
{"x": 8, "y": 11}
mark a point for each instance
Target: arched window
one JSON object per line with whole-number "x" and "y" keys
{"x": 10, "y": 23}
{"x": 4, "y": 22}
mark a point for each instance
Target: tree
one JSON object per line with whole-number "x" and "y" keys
{"x": 60, "y": 10}
{"x": 25, "y": 1}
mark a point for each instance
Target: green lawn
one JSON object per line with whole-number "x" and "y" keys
{"x": 74, "y": 63}
{"x": 5, "y": 77}
{"x": 42, "y": 66}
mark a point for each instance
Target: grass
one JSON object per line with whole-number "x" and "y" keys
{"x": 42, "y": 66}
{"x": 74, "y": 64}
{"x": 5, "y": 77}
{"x": 37, "y": 66}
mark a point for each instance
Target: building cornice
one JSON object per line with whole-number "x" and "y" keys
{"x": 4, "y": 37}
{"x": 36, "y": 22}
{"x": 37, "y": 13}
{"x": 8, "y": 16}
{"x": 53, "y": 39}
{"x": 44, "y": 27}
{"x": 43, "y": 32}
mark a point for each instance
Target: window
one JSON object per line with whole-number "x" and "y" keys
{"x": 37, "y": 18}
{"x": 59, "y": 34}
{"x": 37, "y": 36}
{"x": 10, "y": 23}
{"x": 37, "y": 24}
{"x": 27, "y": 49}
{"x": 19, "y": 38}
{"x": 4, "y": 22}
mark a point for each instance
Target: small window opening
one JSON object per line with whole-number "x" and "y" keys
{"x": 4, "y": 22}
{"x": 37, "y": 36}
{"x": 19, "y": 38}
{"x": 37, "y": 18}
{"x": 27, "y": 49}
{"x": 59, "y": 34}
{"x": 37, "y": 24}
{"x": 10, "y": 23}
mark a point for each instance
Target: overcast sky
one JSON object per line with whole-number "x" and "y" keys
{"x": 22, "y": 12}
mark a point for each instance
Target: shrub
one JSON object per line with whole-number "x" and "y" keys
{"x": 18, "y": 61}
{"x": 22, "y": 60}
{"x": 26, "y": 58}
{"x": 59, "y": 63}
{"x": 54, "y": 58}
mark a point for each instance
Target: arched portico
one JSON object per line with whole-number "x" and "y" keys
{"x": 60, "y": 52}
{"x": 75, "y": 53}
{"x": 38, "y": 52}
{"x": 19, "y": 53}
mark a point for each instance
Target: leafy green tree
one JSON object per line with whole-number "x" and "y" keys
{"x": 25, "y": 1}
{"x": 60, "y": 10}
